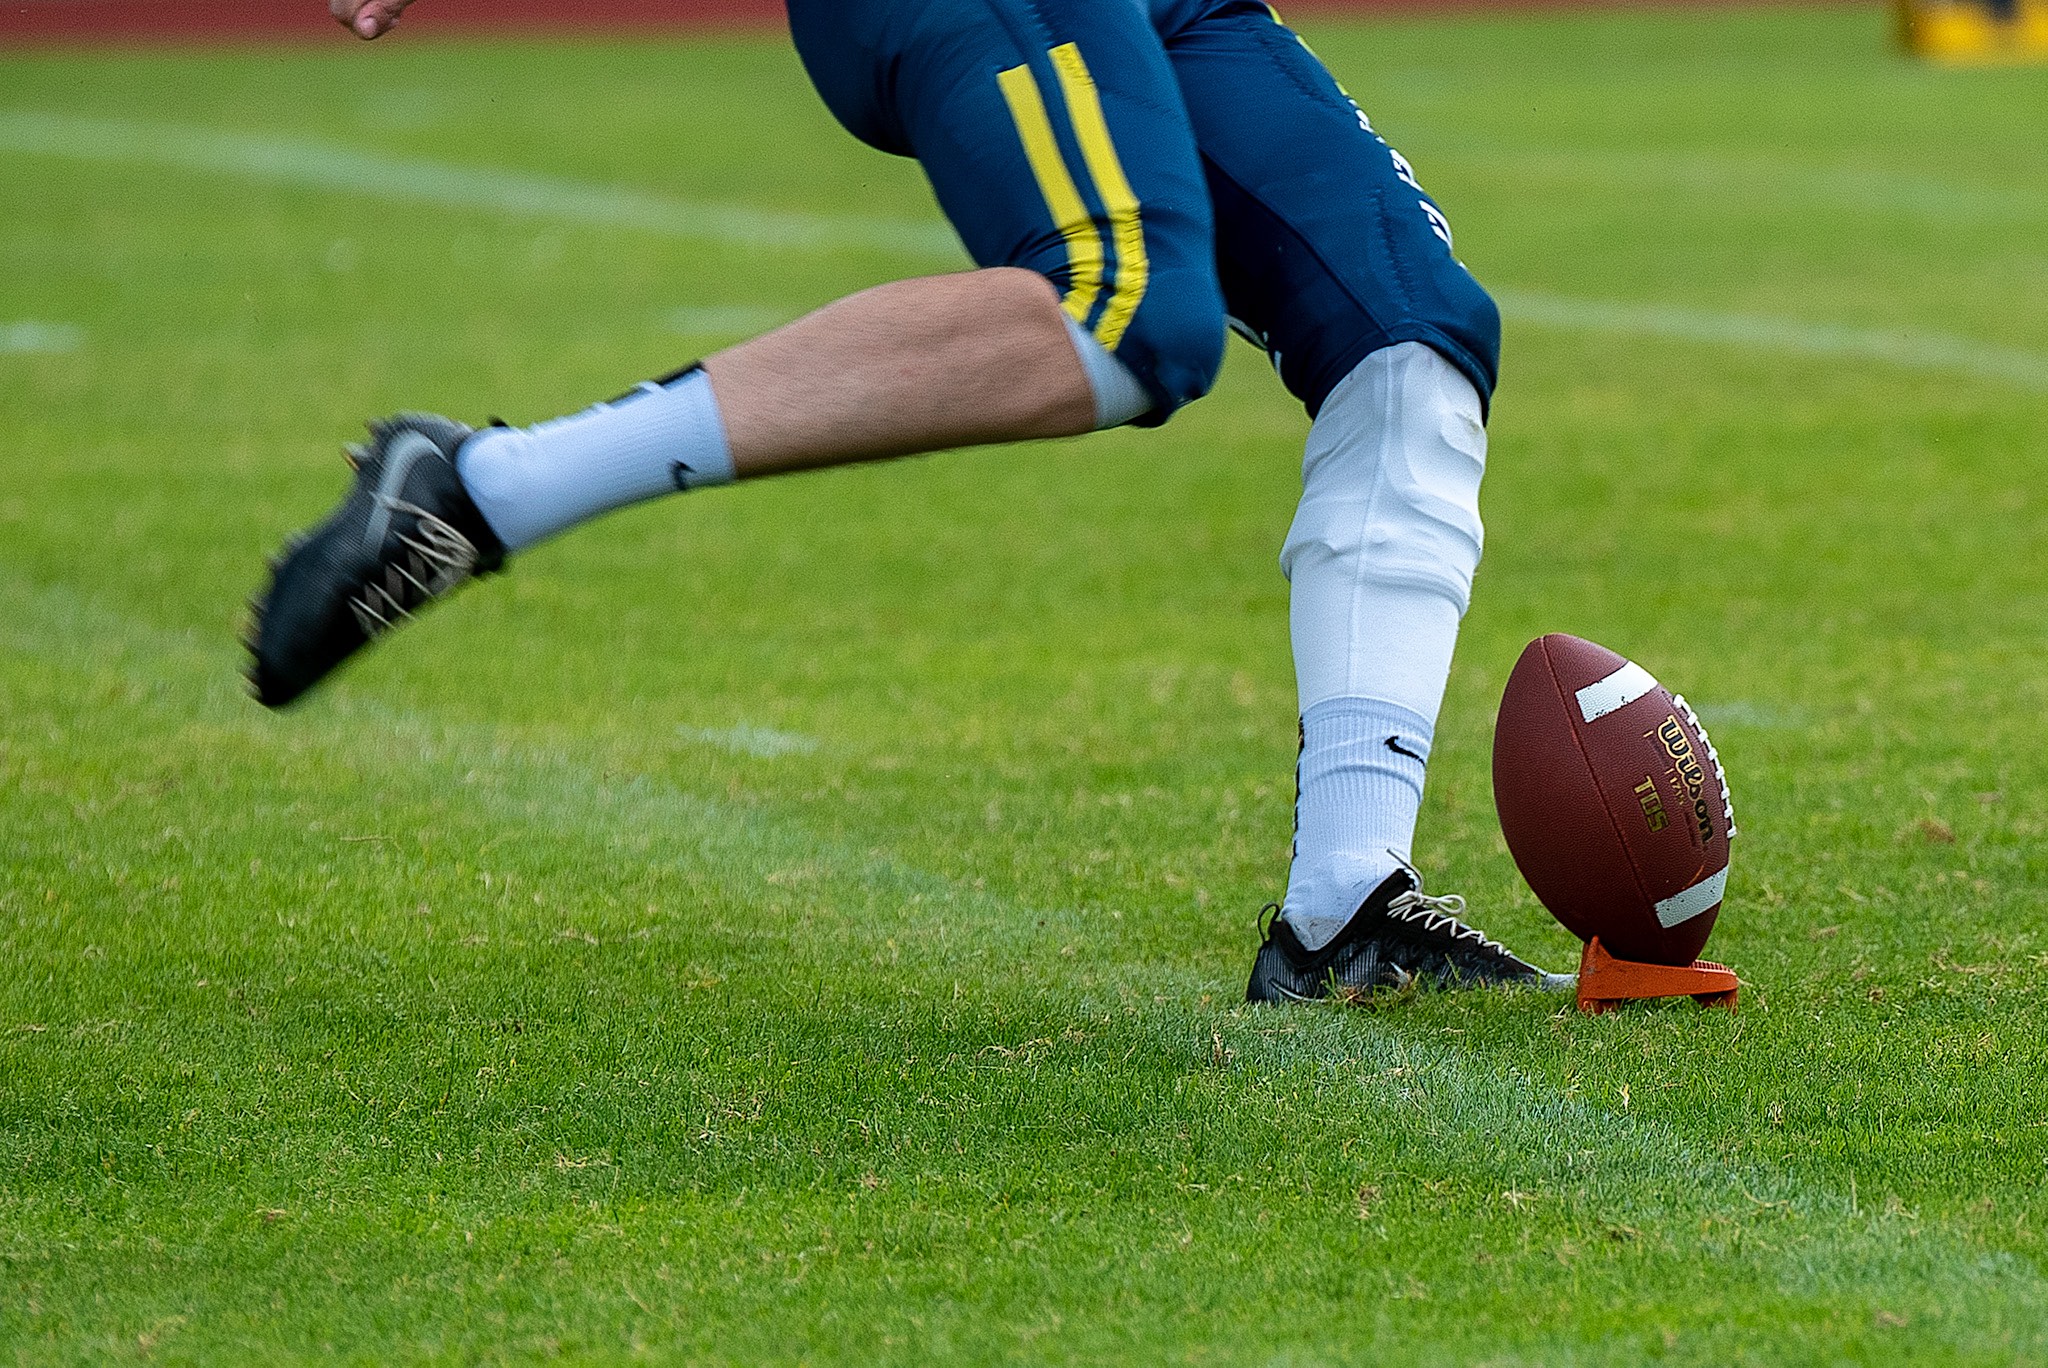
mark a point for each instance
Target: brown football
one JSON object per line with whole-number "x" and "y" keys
{"x": 1612, "y": 801}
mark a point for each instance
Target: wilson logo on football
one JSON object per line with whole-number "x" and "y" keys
{"x": 1687, "y": 774}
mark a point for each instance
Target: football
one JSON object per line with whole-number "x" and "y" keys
{"x": 1612, "y": 801}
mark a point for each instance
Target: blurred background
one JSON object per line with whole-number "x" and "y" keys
{"x": 1962, "y": 31}
{"x": 809, "y": 921}
{"x": 1953, "y": 29}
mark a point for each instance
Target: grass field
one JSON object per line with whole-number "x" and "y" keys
{"x": 807, "y": 922}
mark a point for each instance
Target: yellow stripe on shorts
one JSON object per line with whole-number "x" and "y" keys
{"x": 1133, "y": 267}
{"x": 1312, "y": 52}
{"x": 1062, "y": 198}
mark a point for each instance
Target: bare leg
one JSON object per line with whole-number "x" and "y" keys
{"x": 920, "y": 365}
{"x": 912, "y": 366}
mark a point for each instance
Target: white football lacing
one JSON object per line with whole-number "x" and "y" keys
{"x": 1713, "y": 758}
{"x": 441, "y": 559}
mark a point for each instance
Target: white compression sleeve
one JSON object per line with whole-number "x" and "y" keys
{"x": 1381, "y": 557}
{"x": 1387, "y": 538}
{"x": 1118, "y": 396}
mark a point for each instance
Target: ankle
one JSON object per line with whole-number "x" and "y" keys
{"x": 1325, "y": 892}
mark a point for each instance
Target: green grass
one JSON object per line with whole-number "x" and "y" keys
{"x": 805, "y": 922}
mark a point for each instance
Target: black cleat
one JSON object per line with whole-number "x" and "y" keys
{"x": 1400, "y": 936}
{"x": 407, "y": 534}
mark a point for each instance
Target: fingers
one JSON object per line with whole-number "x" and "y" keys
{"x": 376, "y": 17}
{"x": 367, "y": 18}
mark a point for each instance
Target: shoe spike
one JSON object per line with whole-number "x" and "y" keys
{"x": 355, "y": 453}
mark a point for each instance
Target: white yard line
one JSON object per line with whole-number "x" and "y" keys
{"x": 31, "y": 338}
{"x": 315, "y": 165}
{"x": 532, "y": 787}
{"x": 327, "y": 166}
{"x": 1568, "y": 1158}
{"x": 1458, "y": 1112}
{"x": 762, "y": 743}
{"x": 1749, "y": 181}
{"x": 1923, "y": 351}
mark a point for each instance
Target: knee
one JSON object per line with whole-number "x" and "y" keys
{"x": 1390, "y": 481}
{"x": 1174, "y": 341}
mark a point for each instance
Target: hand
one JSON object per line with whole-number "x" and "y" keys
{"x": 367, "y": 18}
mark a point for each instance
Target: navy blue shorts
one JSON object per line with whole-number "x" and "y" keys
{"x": 1170, "y": 165}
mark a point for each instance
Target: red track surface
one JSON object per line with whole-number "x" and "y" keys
{"x": 117, "y": 20}
{"x": 131, "y": 21}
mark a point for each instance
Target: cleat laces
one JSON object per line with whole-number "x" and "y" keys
{"x": 1268, "y": 915}
{"x": 1434, "y": 915}
{"x": 437, "y": 558}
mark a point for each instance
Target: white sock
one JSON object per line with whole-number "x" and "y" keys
{"x": 532, "y": 483}
{"x": 1358, "y": 788}
{"x": 1381, "y": 557}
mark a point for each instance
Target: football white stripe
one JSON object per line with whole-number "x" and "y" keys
{"x": 1705, "y": 894}
{"x": 1618, "y": 690}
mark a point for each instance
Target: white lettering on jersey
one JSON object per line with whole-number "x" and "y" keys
{"x": 1438, "y": 224}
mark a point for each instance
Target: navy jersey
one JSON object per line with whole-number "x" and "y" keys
{"x": 1168, "y": 165}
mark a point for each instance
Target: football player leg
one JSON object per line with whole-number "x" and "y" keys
{"x": 1334, "y": 259}
{"x": 1076, "y": 189}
